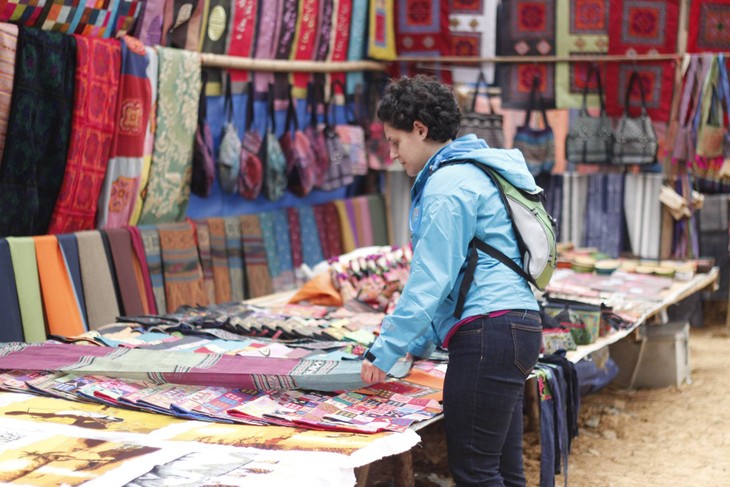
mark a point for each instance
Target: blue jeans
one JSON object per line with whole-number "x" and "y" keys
{"x": 489, "y": 360}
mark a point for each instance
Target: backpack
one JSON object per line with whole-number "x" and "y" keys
{"x": 535, "y": 231}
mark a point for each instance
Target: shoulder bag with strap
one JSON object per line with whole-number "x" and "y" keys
{"x": 300, "y": 165}
{"x": 635, "y": 141}
{"x": 590, "y": 139}
{"x": 251, "y": 174}
{"x": 229, "y": 152}
{"x": 536, "y": 145}
{"x": 274, "y": 185}
{"x": 203, "y": 155}
{"x": 488, "y": 125}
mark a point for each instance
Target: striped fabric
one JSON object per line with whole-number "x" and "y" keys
{"x": 311, "y": 247}
{"x": 379, "y": 219}
{"x": 202, "y": 235}
{"x": 295, "y": 237}
{"x": 151, "y": 243}
{"x": 181, "y": 266}
{"x": 258, "y": 277}
{"x": 120, "y": 243}
{"x": 219, "y": 252}
{"x": 8, "y": 42}
{"x": 70, "y": 249}
{"x": 286, "y": 279}
{"x": 235, "y": 256}
{"x": 328, "y": 228}
{"x": 102, "y": 306}
{"x": 363, "y": 221}
{"x": 141, "y": 260}
{"x": 349, "y": 242}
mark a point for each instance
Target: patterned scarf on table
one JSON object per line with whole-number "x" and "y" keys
{"x": 527, "y": 28}
{"x": 151, "y": 242}
{"x": 121, "y": 185}
{"x": 582, "y": 28}
{"x": 235, "y": 256}
{"x": 202, "y": 234}
{"x": 8, "y": 44}
{"x": 642, "y": 26}
{"x": 178, "y": 93}
{"x": 92, "y": 128}
{"x": 473, "y": 33}
{"x": 422, "y": 29}
{"x": 258, "y": 277}
{"x": 181, "y": 266}
{"x": 219, "y": 252}
{"x": 39, "y": 124}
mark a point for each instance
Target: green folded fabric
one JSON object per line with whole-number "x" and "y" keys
{"x": 22, "y": 252}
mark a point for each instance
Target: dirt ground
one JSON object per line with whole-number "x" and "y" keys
{"x": 673, "y": 436}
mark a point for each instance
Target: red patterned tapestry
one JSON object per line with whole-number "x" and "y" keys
{"x": 473, "y": 33}
{"x": 526, "y": 28}
{"x": 709, "y": 26}
{"x": 422, "y": 29}
{"x": 641, "y": 27}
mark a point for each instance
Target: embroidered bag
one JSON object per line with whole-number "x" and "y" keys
{"x": 711, "y": 130}
{"x": 536, "y": 145}
{"x": 339, "y": 171}
{"x": 203, "y": 154}
{"x": 274, "y": 185}
{"x": 315, "y": 93}
{"x": 251, "y": 173}
{"x": 300, "y": 165}
{"x": 635, "y": 141}
{"x": 229, "y": 152}
{"x": 352, "y": 136}
{"x": 590, "y": 139}
{"x": 487, "y": 126}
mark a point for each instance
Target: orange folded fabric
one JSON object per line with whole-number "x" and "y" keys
{"x": 318, "y": 290}
{"x": 59, "y": 298}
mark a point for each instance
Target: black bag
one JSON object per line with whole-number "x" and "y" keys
{"x": 635, "y": 141}
{"x": 536, "y": 145}
{"x": 590, "y": 139}
{"x": 487, "y": 126}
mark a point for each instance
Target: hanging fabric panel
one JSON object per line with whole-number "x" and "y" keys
{"x": 123, "y": 174}
{"x": 102, "y": 306}
{"x": 59, "y": 15}
{"x": 643, "y": 213}
{"x": 285, "y": 280}
{"x": 70, "y": 249}
{"x": 215, "y": 34}
{"x": 11, "y": 327}
{"x": 8, "y": 43}
{"x": 149, "y": 139}
{"x": 141, "y": 259}
{"x": 268, "y": 233}
{"x": 363, "y": 221}
{"x": 473, "y": 33}
{"x": 347, "y": 236}
{"x": 311, "y": 248}
{"x": 329, "y": 229}
{"x": 305, "y": 43}
{"x": 527, "y": 28}
{"x": 641, "y": 27}
{"x": 339, "y": 39}
{"x": 708, "y": 26}
{"x": 39, "y": 124}
{"x": 295, "y": 237}
{"x": 96, "y": 17}
{"x": 422, "y": 29}
{"x": 181, "y": 266}
{"x": 254, "y": 252}
{"x": 284, "y": 46}
{"x": 149, "y": 25}
{"x": 357, "y": 42}
{"x": 151, "y": 243}
{"x": 202, "y": 236}
{"x": 127, "y": 14}
{"x": 266, "y": 36}
{"x": 242, "y": 39}
{"x": 324, "y": 36}
{"x": 178, "y": 93}
{"x": 181, "y": 24}
{"x": 92, "y": 128}
{"x": 582, "y": 29}
{"x": 219, "y": 251}
{"x": 379, "y": 219}
{"x": 604, "y": 220}
{"x": 25, "y": 269}
{"x": 235, "y": 260}
{"x": 575, "y": 196}
{"x": 120, "y": 243}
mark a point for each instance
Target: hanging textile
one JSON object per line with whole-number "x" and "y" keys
{"x": 39, "y": 124}
{"x": 8, "y": 43}
{"x": 284, "y": 46}
{"x": 22, "y": 12}
{"x": 325, "y": 41}
{"x": 285, "y": 281}
{"x": 527, "y": 28}
{"x": 181, "y": 24}
{"x": 219, "y": 251}
{"x": 575, "y": 196}
{"x": 254, "y": 252}
{"x": 552, "y": 185}
{"x": 268, "y": 234}
{"x": 235, "y": 261}
{"x": 151, "y": 243}
{"x": 121, "y": 184}
{"x": 381, "y": 28}
{"x": 149, "y": 138}
{"x": 378, "y": 218}
{"x": 215, "y": 35}
{"x": 295, "y": 237}
{"x": 59, "y": 299}
{"x": 265, "y": 47}
{"x": 127, "y": 13}
{"x": 70, "y": 250}
{"x": 304, "y": 45}
{"x": 181, "y": 266}
{"x": 96, "y": 18}
{"x": 340, "y": 32}
{"x": 357, "y": 43}
{"x": 141, "y": 260}
{"x": 25, "y": 269}
{"x": 242, "y": 39}
{"x": 473, "y": 33}
{"x": 582, "y": 29}
{"x": 347, "y": 236}
{"x": 11, "y": 328}
{"x": 149, "y": 24}
{"x": 102, "y": 306}
{"x": 120, "y": 243}
{"x": 365, "y": 221}
{"x": 168, "y": 189}
{"x": 604, "y": 217}
{"x": 641, "y": 27}
{"x": 643, "y": 213}
{"x": 202, "y": 236}
{"x": 708, "y": 26}
{"x": 213, "y": 370}
{"x": 311, "y": 248}
{"x": 59, "y": 15}
{"x": 92, "y": 128}
{"x": 422, "y": 29}
{"x": 328, "y": 227}
{"x": 110, "y": 266}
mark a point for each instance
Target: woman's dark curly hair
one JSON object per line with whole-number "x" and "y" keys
{"x": 424, "y": 99}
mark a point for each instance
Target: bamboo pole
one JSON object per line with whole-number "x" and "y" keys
{"x": 610, "y": 58}
{"x": 283, "y": 65}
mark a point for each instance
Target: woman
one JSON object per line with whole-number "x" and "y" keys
{"x": 494, "y": 342}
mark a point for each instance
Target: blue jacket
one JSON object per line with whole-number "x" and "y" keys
{"x": 448, "y": 208}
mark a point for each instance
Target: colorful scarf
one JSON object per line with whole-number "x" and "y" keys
{"x": 127, "y": 13}
{"x": 528, "y": 30}
{"x": 202, "y": 236}
{"x": 141, "y": 260}
{"x": 265, "y": 41}
{"x": 25, "y": 13}
{"x": 59, "y": 15}
{"x": 12, "y": 328}
{"x": 149, "y": 139}
{"x": 235, "y": 260}
{"x": 92, "y": 129}
{"x": 181, "y": 266}
{"x": 363, "y": 221}
{"x": 340, "y": 39}
{"x": 473, "y": 33}
{"x": 305, "y": 42}
{"x": 181, "y": 24}
{"x": 295, "y": 237}
{"x": 39, "y": 125}
{"x": 268, "y": 233}
{"x": 284, "y": 45}
{"x": 215, "y": 35}
{"x": 70, "y": 249}
{"x": 582, "y": 28}
{"x": 708, "y": 26}
{"x": 120, "y": 243}
{"x": 348, "y": 237}
{"x": 286, "y": 280}
{"x": 638, "y": 26}
{"x": 378, "y": 219}
{"x": 178, "y": 93}
{"x": 329, "y": 230}
{"x": 102, "y": 306}
{"x": 311, "y": 248}
{"x": 422, "y": 29}
{"x": 8, "y": 43}
{"x": 149, "y": 25}
{"x": 242, "y": 39}
{"x": 25, "y": 268}
{"x": 121, "y": 185}
{"x": 151, "y": 243}
{"x": 258, "y": 277}
{"x": 219, "y": 251}
{"x": 59, "y": 298}
{"x": 96, "y": 18}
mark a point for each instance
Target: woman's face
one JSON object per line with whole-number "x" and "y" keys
{"x": 411, "y": 149}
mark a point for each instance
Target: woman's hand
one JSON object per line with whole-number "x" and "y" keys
{"x": 370, "y": 374}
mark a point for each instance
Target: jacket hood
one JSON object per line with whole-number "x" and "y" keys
{"x": 509, "y": 163}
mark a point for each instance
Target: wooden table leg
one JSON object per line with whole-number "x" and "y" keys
{"x": 403, "y": 470}
{"x": 361, "y": 475}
